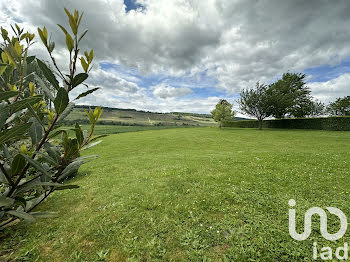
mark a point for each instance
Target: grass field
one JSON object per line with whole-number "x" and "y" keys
{"x": 111, "y": 129}
{"x": 193, "y": 194}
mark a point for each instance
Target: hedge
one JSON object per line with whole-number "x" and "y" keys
{"x": 341, "y": 123}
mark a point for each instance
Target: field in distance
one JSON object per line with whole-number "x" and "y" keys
{"x": 132, "y": 117}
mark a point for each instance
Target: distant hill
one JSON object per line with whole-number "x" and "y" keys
{"x": 133, "y": 117}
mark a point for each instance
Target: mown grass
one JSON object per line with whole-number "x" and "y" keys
{"x": 112, "y": 129}
{"x": 200, "y": 194}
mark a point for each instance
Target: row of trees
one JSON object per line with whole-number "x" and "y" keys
{"x": 287, "y": 97}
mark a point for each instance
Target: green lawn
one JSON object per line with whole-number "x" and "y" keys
{"x": 199, "y": 194}
{"x": 113, "y": 129}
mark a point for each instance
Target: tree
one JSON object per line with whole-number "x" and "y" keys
{"x": 290, "y": 97}
{"x": 317, "y": 108}
{"x": 256, "y": 102}
{"x": 33, "y": 164}
{"x": 223, "y": 112}
{"x": 340, "y": 107}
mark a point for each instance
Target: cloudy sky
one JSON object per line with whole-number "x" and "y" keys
{"x": 184, "y": 55}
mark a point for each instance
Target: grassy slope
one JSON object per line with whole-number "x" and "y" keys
{"x": 181, "y": 194}
{"x": 145, "y": 118}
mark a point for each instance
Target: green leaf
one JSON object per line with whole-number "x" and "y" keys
{"x": 61, "y": 101}
{"x": 20, "y": 200}
{"x": 66, "y": 112}
{"x": 13, "y": 117}
{"x": 71, "y": 148}
{"x": 35, "y": 183}
{"x": 48, "y": 159}
{"x": 27, "y": 217}
{"x": 13, "y": 132}
{"x": 63, "y": 29}
{"x": 79, "y": 134}
{"x": 71, "y": 169}
{"x": 52, "y": 151}
{"x": 3, "y": 179}
{"x": 17, "y": 165}
{"x": 40, "y": 214}
{"x": 84, "y": 64}
{"x": 36, "y": 165}
{"x": 91, "y": 55}
{"x": 52, "y": 135}
{"x": 35, "y": 131}
{"x": 51, "y": 47}
{"x": 86, "y": 157}
{"x": 31, "y": 203}
{"x": 86, "y": 93}
{"x": 21, "y": 104}
{"x": 82, "y": 35}
{"x": 4, "y": 116}
{"x": 6, "y": 201}
{"x": 2, "y": 69}
{"x": 72, "y": 22}
{"x": 92, "y": 145}
{"x": 45, "y": 32}
{"x": 97, "y": 137}
{"x": 43, "y": 39}
{"x": 79, "y": 78}
{"x": 8, "y": 94}
{"x": 79, "y": 20}
{"x": 30, "y": 59}
{"x": 18, "y": 49}
{"x": 34, "y": 114}
{"x": 90, "y": 115}
{"x": 69, "y": 42}
{"x": 48, "y": 74}
{"x": 64, "y": 187}
{"x": 43, "y": 86}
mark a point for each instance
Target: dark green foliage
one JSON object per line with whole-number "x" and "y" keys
{"x": 32, "y": 161}
{"x": 256, "y": 102}
{"x": 290, "y": 97}
{"x": 287, "y": 97}
{"x": 61, "y": 101}
{"x": 78, "y": 79}
{"x": 321, "y": 123}
{"x": 340, "y": 107}
{"x": 48, "y": 74}
{"x": 317, "y": 108}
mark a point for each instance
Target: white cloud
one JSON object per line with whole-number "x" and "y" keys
{"x": 330, "y": 90}
{"x": 165, "y": 91}
{"x": 235, "y": 42}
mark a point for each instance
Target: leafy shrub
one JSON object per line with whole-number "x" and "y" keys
{"x": 321, "y": 123}
{"x": 32, "y": 165}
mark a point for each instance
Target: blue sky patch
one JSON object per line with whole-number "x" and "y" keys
{"x": 132, "y": 5}
{"x": 327, "y": 72}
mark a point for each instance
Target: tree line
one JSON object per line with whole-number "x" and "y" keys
{"x": 288, "y": 97}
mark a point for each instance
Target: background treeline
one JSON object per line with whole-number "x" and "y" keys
{"x": 336, "y": 123}
{"x": 287, "y": 99}
{"x": 120, "y": 123}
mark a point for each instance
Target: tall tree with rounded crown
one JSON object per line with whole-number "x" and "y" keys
{"x": 223, "y": 112}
